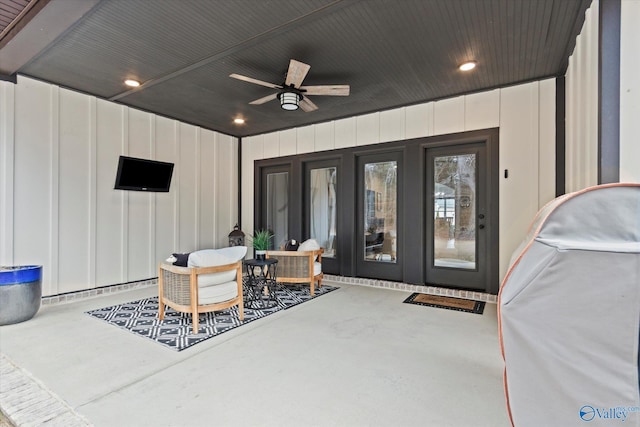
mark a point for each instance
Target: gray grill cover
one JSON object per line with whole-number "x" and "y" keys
{"x": 569, "y": 313}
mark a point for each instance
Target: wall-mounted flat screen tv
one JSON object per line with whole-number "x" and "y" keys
{"x": 143, "y": 175}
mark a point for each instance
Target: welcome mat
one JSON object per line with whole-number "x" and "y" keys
{"x": 176, "y": 330}
{"x": 450, "y": 303}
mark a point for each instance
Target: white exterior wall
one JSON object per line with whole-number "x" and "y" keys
{"x": 629, "y": 92}
{"x": 581, "y": 91}
{"x": 58, "y": 159}
{"x": 524, "y": 113}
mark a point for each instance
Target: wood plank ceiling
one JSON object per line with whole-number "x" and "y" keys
{"x": 392, "y": 53}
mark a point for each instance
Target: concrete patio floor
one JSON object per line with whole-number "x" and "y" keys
{"x": 357, "y": 356}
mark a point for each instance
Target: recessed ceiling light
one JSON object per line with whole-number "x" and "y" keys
{"x": 132, "y": 83}
{"x": 238, "y": 121}
{"x": 467, "y": 66}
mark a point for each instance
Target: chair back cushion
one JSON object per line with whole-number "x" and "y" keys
{"x": 214, "y": 258}
{"x": 309, "y": 245}
{"x": 236, "y": 253}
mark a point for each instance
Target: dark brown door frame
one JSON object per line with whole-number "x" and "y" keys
{"x": 416, "y": 185}
{"x": 413, "y": 270}
{"x": 477, "y": 277}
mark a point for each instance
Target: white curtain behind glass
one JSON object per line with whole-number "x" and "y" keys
{"x": 323, "y": 208}
{"x": 278, "y": 207}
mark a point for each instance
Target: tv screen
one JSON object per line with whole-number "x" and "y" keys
{"x": 143, "y": 175}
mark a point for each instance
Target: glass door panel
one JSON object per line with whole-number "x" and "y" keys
{"x": 457, "y": 216}
{"x": 277, "y": 207}
{"x": 454, "y": 211}
{"x": 380, "y": 211}
{"x": 322, "y": 211}
{"x": 379, "y": 239}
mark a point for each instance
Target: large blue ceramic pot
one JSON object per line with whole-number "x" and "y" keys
{"x": 20, "y": 293}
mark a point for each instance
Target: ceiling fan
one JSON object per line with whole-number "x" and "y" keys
{"x": 290, "y": 93}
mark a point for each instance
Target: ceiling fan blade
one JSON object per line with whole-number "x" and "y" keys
{"x": 255, "y": 81}
{"x": 333, "y": 90}
{"x": 307, "y": 106}
{"x": 296, "y": 73}
{"x": 264, "y": 99}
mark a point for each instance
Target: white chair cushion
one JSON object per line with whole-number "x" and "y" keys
{"x": 309, "y": 245}
{"x": 214, "y": 279}
{"x": 317, "y": 268}
{"x": 236, "y": 253}
{"x": 214, "y": 258}
{"x": 217, "y": 293}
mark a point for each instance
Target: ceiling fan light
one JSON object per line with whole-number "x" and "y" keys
{"x": 289, "y": 100}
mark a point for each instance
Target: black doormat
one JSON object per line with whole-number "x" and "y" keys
{"x": 176, "y": 330}
{"x": 450, "y": 303}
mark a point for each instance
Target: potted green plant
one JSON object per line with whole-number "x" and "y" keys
{"x": 260, "y": 241}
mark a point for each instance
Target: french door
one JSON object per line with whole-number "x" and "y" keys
{"x": 458, "y": 217}
{"x": 423, "y": 211}
{"x": 378, "y": 222}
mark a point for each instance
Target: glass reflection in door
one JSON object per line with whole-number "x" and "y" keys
{"x": 380, "y": 211}
{"x": 322, "y": 219}
{"x": 454, "y": 211}
{"x": 278, "y": 208}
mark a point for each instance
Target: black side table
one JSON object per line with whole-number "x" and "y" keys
{"x": 261, "y": 283}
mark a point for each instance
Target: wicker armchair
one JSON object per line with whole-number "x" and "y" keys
{"x": 198, "y": 289}
{"x": 299, "y": 267}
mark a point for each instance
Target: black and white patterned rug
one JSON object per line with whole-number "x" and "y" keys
{"x": 176, "y": 332}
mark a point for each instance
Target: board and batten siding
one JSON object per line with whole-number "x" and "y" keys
{"x": 59, "y": 155}
{"x": 582, "y": 100}
{"x": 581, "y": 123}
{"x": 524, "y": 113}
